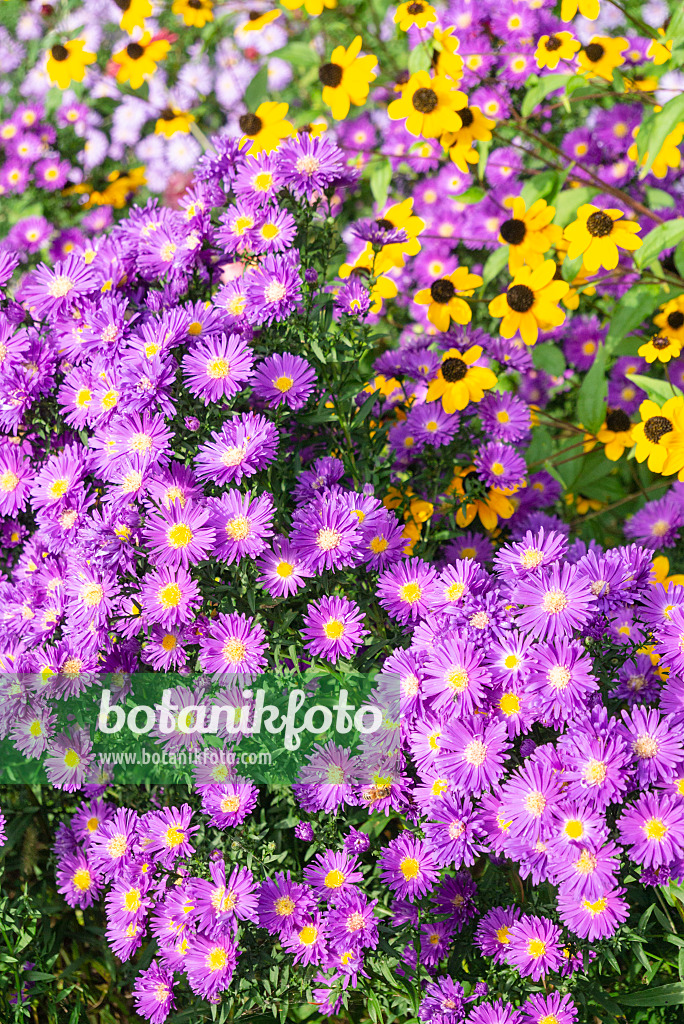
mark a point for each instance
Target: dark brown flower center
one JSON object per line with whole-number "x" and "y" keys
{"x": 617, "y": 420}
{"x": 195, "y": 4}
{"x": 415, "y": 8}
{"x": 135, "y": 51}
{"x": 466, "y": 116}
{"x": 425, "y": 100}
{"x": 253, "y": 15}
{"x": 599, "y": 224}
{"x": 167, "y": 114}
{"x": 675, "y": 320}
{"x": 442, "y": 290}
{"x": 360, "y": 272}
{"x": 123, "y": 5}
{"x": 594, "y": 52}
{"x": 656, "y": 427}
{"x": 661, "y": 342}
{"x": 553, "y": 43}
{"x": 520, "y": 298}
{"x": 330, "y": 74}
{"x": 385, "y": 224}
{"x": 59, "y": 52}
{"x": 513, "y": 231}
{"x": 454, "y": 369}
{"x": 250, "y": 124}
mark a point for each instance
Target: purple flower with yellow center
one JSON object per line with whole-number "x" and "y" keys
{"x": 560, "y": 680}
{"x": 326, "y": 534}
{"x": 455, "y": 677}
{"x": 587, "y": 870}
{"x": 308, "y": 944}
{"x": 274, "y": 288}
{"x": 504, "y": 417}
{"x": 656, "y": 742}
{"x": 113, "y": 845}
{"x": 407, "y": 590}
{"x": 407, "y": 867}
{"x": 352, "y": 922}
{"x": 309, "y": 165}
{"x": 179, "y": 535}
{"x": 247, "y": 443}
{"x": 443, "y": 1003}
{"x": 225, "y": 900}
{"x": 69, "y": 759}
{"x": 169, "y": 596}
{"x": 284, "y": 906}
{"x": 229, "y": 803}
{"x": 535, "y": 947}
{"x": 78, "y": 880}
{"x": 167, "y": 834}
{"x": 241, "y": 524}
{"x": 16, "y": 477}
{"x": 653, "y": 828}
{"x": 153, "y": 993}
{"x": 333, "y": 628}
{"x": 493, "y": 934}
{"x": 454, "y": 831}
{"x": 473, "y": 752}
{"x": 500, "y": 466}
{"x": 657, "y": 525}
{"x": 543, "y": 1009}
{"x": 127, "y": 900}
{"x": 435, "y": 941}
{"x": 281, "y": 570}
{"x": 209, "y": 964}
{"x": 594, "y": 919}
{"x": 165, "y": 648}
{"x": 532, "y": 554}
{"x": 284, "y": 379}
{"x": 595, "y": 760}
{"x": 218, "y": 367}
{"x": 555, "y": 602}
{"x": 670, "y": 639}
{"x": 528, "y": 799}
{"x": 498, "y": 1012}
{"x": 234, "y": 645}
{"x": 332, "y": 875}
{"x": 51, "y": 290}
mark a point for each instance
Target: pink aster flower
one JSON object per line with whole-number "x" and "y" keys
{"x": 408, "y": 589}
{"x": 653, "y": 828}
{"x": 52, "y": 290}
{"x": 229, "y": 803}
{"x": 542, "y": 1009}
{"x": 455, "y": 677}
{"x": 284, "y": 378}
{"x": 535, "y": 947}
{"x": 16, "y": 477}
{"x": 169, "y": 596}
{"x": 179, "y": 535}
{"x": 308, "y": 943}
{"x": 282, "y": 571}
{"x": 332, "y": 875}
{"x": 209, "y": 964}
{"x": 167, "y": 833}
{"x": 284, "y": 906}
{"x": 493, "y": 935}
{"x": 473, "y": 752}
{"x": 153, "y": 993}
{"x": 241, "y": 524}
{"x": 408, "y": 867}
{"x": 68, "y": 759}
{"x": 77, "y": 880}
{"x": 555, "y": 602}
{"x": 594, "y": 919}
{"x": 218, "y": 367}
{"x": 333, "y": 628}
{"x": 234, "y": 645}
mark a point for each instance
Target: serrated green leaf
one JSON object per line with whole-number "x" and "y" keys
{"x": 538, "y": 93}
{"x": 657, "y": 390}
{"x": 664, "y": 236}
{"x": 591, "y": 406}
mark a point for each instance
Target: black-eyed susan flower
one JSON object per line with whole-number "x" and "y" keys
{"x": 458, "y": 381}
{"x": 444, "y": 298}
{"x": 346, "y": 78}
{"x": 474, "y": 125}
{"x": 660, "y": 50}
{"x": 195, "y": 13}
{"x": 495, "y": 505}
{"x": 415, "y": 14}
{"x": 265, "y": 129}
{"x": 615, "y": 433}
{"x": 314, "y": 8}
{"x": 670, "y": 319}
{"x": 667, "y": 158}
{"x": 258, "y": 21}
{"x": 401, "y": 217}
{"x": 596, "y": 236}
{"x": 172, "y": 120}
{"x": 530, "y": 303}
{"x": 447, "y": 61}
{"x": 600, "y": 57}
{"x": 428, "y": 105}
{"x": 659, "y": 430}
{"x": 138, "y": 60}
{"x": 133, "y": 13}
{"x": 587, "y": 8}
{"x": 528, "y": 233}
{"x": 551, "y": 50}
{"x": 67, "y": 63}
{"x": 661, "y": 347}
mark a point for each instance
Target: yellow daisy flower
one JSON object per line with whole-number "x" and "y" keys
{"x": 587, "y": 8}
{"x": 312, "y": 7}
{"x": 530, "y": 303}
{"x": 670, "y": 319}
{"x": 415, "y": 13}
{"x": 668, "y": 158}
{"x": 195, "y": 13}
{"x": 497, "y": 505}
{"x": 661, "y": 347}
{"x": 444, "y": 298}
{"x": 172, "y": 120}
{"x": 615, "y": 433}
{"x": 133, "y": 13}
{"x": 138, "y": 60}
{"x": 458, "y": 382}
{"x": 67, "y": 63}
{"x": 600, "y": 57}
{"x": 402, "y": 217}
{"x": 528, "y": 233}
{"x": 596, "y": 235}
{"x": 428, "y": 105}
{"x": 655, "y": 435}
{"x": 265, "y": 129}
{"x": 448, "y": 61}
{"x": 551, "y": 50}
{"x": 258, "y": 21}
{"x": 346, "y": 78}
{"x": 474, "y": 126}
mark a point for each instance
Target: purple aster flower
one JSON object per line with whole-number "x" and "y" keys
{"x": 500, "y": 466}
{"x": 534, "y": 552}
{"x": 113, "y": 845}
{"x": 443, "y": 1003}
{"x": 51, "y": 173}
{"x": 52, "y": 290}
{"x": 309, "y": 165}
{"x": 504, "y": 417}
{"x": 534, "y": 947}
{"x": 281, "y": 570}
{"x": 494, "y": 1013}
{"x": 555, "y": 602}
{"x": 493, "y": 934}
{"x": 656, "y": 741}
{"x": 284, "y": 906}
{"x": 473, "y": 753}
{"x": 597, "y": 919}
{"x": 352, "y": 923}
{"x": 583, "y": 343}
{"x": 455, "y": 678}
{"x": 657, "y": 524}
{"x": 247, "y": 443}
{"x": 407, "y": 867}
{"x": 217, "y": 367}
{"x": 352, "y": 298}
{"x": 455, "y": 832}
{"x": 560, "y": 680}
{"x": 233, "y": 645}
{"x": 407, "y": 590}
{"x": 539, "y": 1009}
{"x": 333, "y": 628}
{"x": 209, "y": 964}
{"x": 225, "y": 900}
{"x": 179, "y": 535}
{"x": 241, "y": 524}
{"x": 528, "y": 799}
{"x": 169, "y": 596}
{"x": 326, "y": 534}
{"x": 304, "y": 831}
{"x": 332, "y": 875}
{"x": 308, "y": 943}
{"x": 355, "y": 841}
{"x": 167, "y": 833}
{"x": 284, "y": 378}
{"x": 273, "y": 289}
{"x": 16, "y": 478}
{"x": 653, "y": 828}
{"x": 78, "y": 880}
{"x": 69, "y": 759}
{"x": 153, "y": 993}
{"x": 274, "y": 231}
{"x": 587, "y": 870}
{"x": 229, "y": 803}
{"x": 670, "y": 639}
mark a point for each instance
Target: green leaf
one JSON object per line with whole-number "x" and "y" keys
{"x": 380, "y": 178}
{"x": 657, "y": 390}
{"x": 548, "y": 357}
{"x": 665, "y": 995}
{"x": 658, "y": 199}
{"x": 665, "y": 236}
{"x": 483, "y": 147}
{"x": 675, "y": 30}
{"x": 568, "y": 203}
{"x": 257, "y": 90}
{"x": 542, "y": 185}
{"x": 298, "y": 54}
{"x": 538, "y": 93}
{"x": 420, "y": 58}
{"x": 634, "y": 307}
{"x": 472, "y": 195}
{"x": 591, "y": 406}
{"x": 494, "y": 264}
{"x": 659, "y": 128}
{"x": 540, "y": 447}
{"x": 374, "y": 1008}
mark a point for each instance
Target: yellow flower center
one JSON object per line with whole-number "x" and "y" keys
{"x": 82, "y": 879}
{"x": 334, "y": 879}
{"x": 308, "y": 935}
{"x": 169, "y": 596}
{"x": 234, "y": 651}
{"x": 284, "y": 906}
{"x": 410, "y": 868}
{"x": 333, "y": 629}
{"x": 238, "y": 528}
{"x": 554, "y": 601}
{"x": 283, "y": 384}
{"x": 655, "y": 828}
{"x": 410, "y": 593}
{"x": 216, "y": 959}
{"x": 536, "y": 948}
